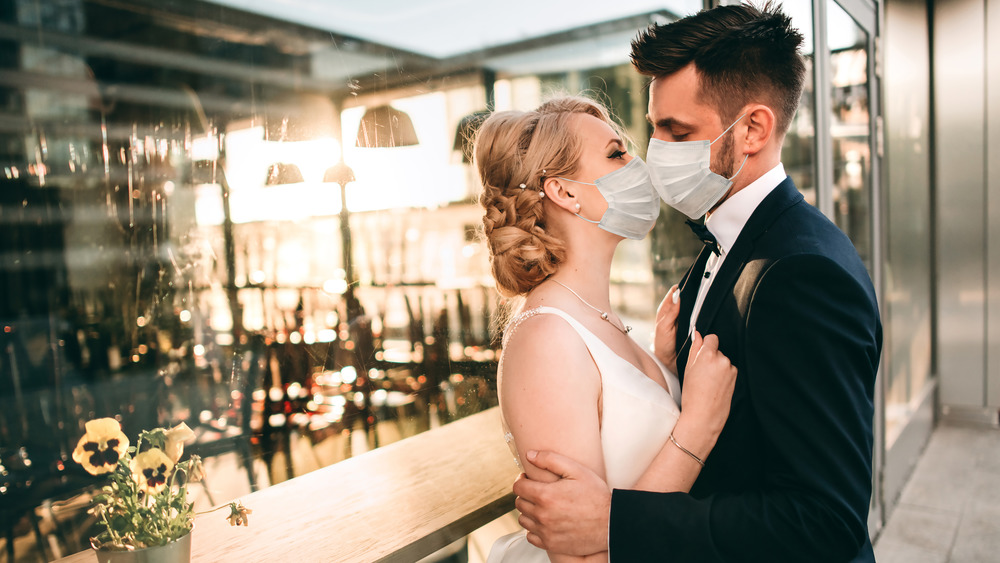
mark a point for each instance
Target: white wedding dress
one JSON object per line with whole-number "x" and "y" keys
{"x": 638, "y": 416}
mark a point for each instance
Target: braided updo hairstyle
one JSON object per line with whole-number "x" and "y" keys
{"x": 522, "y": 148}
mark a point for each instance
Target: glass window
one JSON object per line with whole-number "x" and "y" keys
{"x": 262, "y": 222}
{"x": 852, "y": 171}
{"x": 799, "y": 149}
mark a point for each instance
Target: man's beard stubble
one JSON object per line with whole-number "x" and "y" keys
{"x": 724, "y": 162}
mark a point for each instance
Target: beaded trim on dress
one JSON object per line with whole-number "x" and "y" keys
{"x": 515, "y": 322}
{"x": 511, "y": 328}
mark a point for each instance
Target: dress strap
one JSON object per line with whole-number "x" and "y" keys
{"x": 589, "y": 338}
{"x": 516, "y": 322}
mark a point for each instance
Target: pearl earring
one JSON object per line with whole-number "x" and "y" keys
{"x": 578, "y": 208}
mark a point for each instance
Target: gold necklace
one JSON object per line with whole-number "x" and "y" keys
{"x": 604, "y": 315}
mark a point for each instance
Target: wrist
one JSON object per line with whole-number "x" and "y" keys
{"x": 699, "y": 439}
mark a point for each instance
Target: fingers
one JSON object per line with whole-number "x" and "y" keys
{"x": 710, "y": 343}
{"x": 528, "y": 514}
{"x": 708, "y": 350}
{"x": 669, "y": 307}
{"x": 535, "y": 540}
{"x": 527, "y": 489}
{"x": 696, "y": 343}
{"x": 559, "y": 465}
{"x": 705, "y": 352}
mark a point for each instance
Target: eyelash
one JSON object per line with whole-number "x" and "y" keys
{"x": 618, "y": 154}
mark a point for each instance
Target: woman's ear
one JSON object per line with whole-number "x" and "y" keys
{"x": 760, "y": 122}
{"x": 558, "y": 192}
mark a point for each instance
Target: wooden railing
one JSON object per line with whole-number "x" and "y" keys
{"x": 400, "y": 502}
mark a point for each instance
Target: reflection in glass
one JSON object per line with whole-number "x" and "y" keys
{"x": 173, "y": 191}
{"x": 799, "y": 149}
{"x": 849, "y": 128}
{"x": 907, "y": 215}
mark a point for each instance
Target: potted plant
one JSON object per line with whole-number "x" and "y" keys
{"x": 143, "y": 512}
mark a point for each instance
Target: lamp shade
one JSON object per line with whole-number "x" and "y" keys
{"x": 386, "y": 126}
{"x": 281, "y": 173}
{"x": 339, "y": 173}
{"x": 465, "y": 133}
{"x": 299, "y": 117}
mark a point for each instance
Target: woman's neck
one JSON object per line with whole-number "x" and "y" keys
{"x": 587, "y": 271}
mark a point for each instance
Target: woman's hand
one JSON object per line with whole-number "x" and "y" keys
{"x": 665, "y": 334}
{"x": 709, "y": 381}
{"x": 707, "y": 392}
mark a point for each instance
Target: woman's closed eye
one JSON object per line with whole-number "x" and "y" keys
{"x": 619, "y": 154}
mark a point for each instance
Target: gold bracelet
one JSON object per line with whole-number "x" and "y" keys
{"x": 687, "y": 451}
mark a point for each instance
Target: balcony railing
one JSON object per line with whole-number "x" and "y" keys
{"x": 400, "y": 502}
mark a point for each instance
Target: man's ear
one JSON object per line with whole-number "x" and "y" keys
{"x": 560, "y": 193}
{"x": 760, "y": 122}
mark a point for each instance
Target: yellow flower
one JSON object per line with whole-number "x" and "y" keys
{"x": 99, "y": 449}
{"x": 150, "y": 469}
{"x": 176, "y": 436}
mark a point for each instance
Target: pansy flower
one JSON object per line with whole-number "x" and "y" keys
{"x": 176, "y": 436}
{"x": 150, "y": 469}
{"x": 100, "y": 448}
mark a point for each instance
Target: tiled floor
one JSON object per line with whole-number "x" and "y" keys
{"x": 949, "y": 510}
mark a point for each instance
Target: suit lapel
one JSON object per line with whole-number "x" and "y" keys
{"x": 781, "y": 198}
{"x": 689, "y": 292}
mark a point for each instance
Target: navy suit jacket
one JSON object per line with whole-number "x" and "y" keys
{"x": 790, "y": 476}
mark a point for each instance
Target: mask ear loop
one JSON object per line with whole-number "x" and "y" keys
{"x": 745, "y": 157}
{"x": 728, "y": 128}
{"x": 740, "y": 169}
{"x": 579, "y": 182}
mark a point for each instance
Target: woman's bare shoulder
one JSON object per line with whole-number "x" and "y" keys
{"x": 546, "y": 346}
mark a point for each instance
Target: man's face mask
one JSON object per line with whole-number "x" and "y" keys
{"x": 681, "y": 174}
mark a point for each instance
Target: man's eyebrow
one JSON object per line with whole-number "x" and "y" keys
{"x": 669, "y": 123}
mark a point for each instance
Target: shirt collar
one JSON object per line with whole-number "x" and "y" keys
{"x": 727, "y": 221}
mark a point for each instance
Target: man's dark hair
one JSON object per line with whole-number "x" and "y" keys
{"x": 743, "y": 54}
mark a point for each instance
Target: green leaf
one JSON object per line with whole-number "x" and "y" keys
{"x": 119, "y": 523}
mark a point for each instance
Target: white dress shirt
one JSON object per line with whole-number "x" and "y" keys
{"x": 726, "y": 223}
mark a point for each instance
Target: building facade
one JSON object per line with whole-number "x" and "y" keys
{"x": 260, "y": 217}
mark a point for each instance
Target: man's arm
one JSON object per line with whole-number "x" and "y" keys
{"x": 812, "y": 345}
{"x": 571, "y": 515}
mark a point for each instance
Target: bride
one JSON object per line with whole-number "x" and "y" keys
{"x": 560, "y": 192}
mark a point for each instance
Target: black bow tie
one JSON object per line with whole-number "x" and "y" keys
{"x": 706, "y": 236}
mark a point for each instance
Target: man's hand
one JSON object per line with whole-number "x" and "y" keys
{"x": 665, "y": 335}
{"x": 570, "y": 515}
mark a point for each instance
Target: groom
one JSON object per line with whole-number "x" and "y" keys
{"x": 789, "y": 478}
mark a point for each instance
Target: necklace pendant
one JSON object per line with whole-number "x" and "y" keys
{"x": 604, "y": 316}
{"x": 628, "y": 329}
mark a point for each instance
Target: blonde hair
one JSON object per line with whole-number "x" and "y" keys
{"x": 515, "y": 148}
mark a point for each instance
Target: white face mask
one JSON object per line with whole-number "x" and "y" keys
{"x": 633, "y": 204}
{"x": 681, "y": 174}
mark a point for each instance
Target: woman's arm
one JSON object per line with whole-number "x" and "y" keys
{"x": 550, "y": 392}
{"x": 708, "y": 391}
